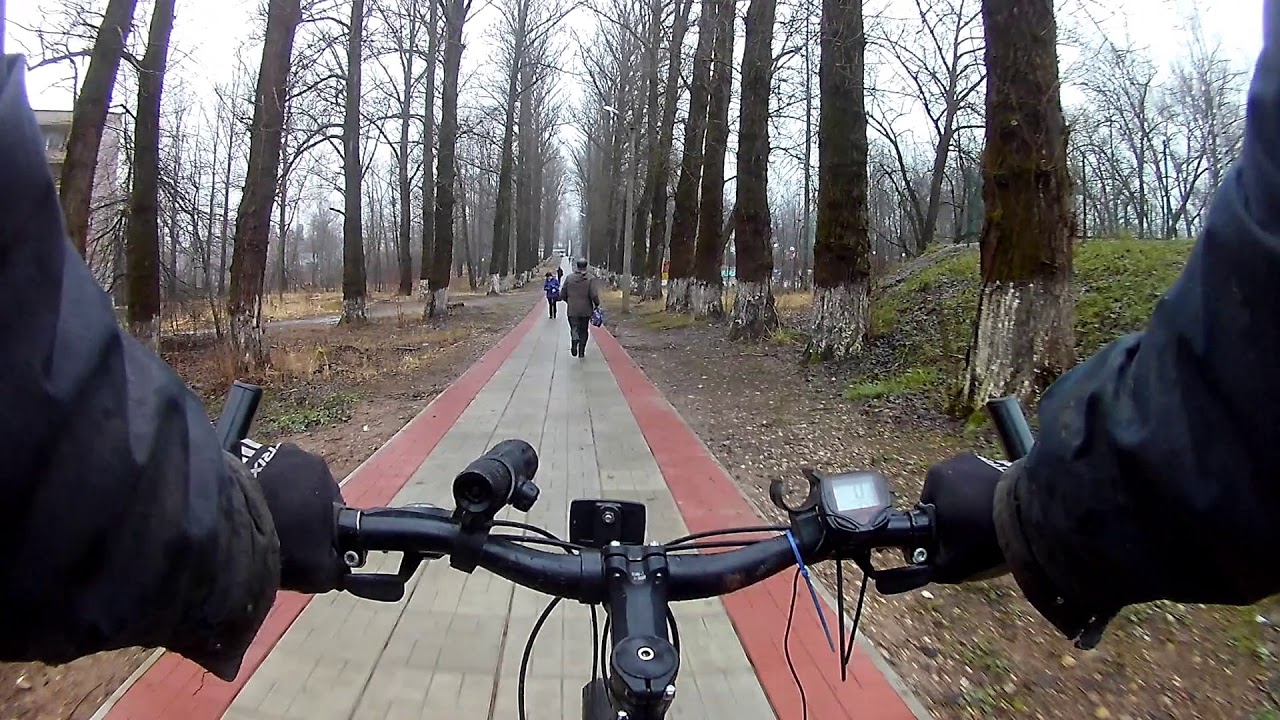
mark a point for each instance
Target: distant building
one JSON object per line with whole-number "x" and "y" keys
{"x": 55, "y": 126}
{"x": 108, "y": 192}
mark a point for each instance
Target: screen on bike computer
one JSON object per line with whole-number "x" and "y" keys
{"x": 856, "y": 494}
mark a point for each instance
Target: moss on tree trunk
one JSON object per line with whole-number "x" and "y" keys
{"x": 1023, "y": 331}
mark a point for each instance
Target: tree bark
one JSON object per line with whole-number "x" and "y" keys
{"x": 500, "y": 258}
{"x": 428, "y": 130}
{"x": 684, "y": 219}
{"x": 404, "y": 254}
{"x": 706, "y": 292}
{"x": 455, "y": 16}
{"x": 354, "y": 308}
{"x": 659, "y": 158}
{"x": 754, "y": 314}
{"x": 144, "y": 227}
{"x": 842, "y": 263}
{"x": 253, "y": 218}
{"x": 75, "y": 187}
{"x": 525, "y": 240}
{"x": 1023, "y": 337}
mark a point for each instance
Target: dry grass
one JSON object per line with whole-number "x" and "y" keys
{"x": 794, "y": 300}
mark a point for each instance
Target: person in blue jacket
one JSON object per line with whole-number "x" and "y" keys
{"x": 551, "y": 288}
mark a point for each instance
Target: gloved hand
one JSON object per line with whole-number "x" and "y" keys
{"x": 301, "y": 495}
{"x": 962, "y": 490}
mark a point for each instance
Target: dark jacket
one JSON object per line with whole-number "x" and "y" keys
{"x": 125, "y": 522}
{"x": 1154, "y": 475}
{"x": 580, "y": 294}
{"x": 551, "y": 288}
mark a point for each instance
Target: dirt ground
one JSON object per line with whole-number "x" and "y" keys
{"x": 977, "y": 650}
{"x": 337, "y": 391}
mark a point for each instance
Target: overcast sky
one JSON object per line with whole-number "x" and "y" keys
{"x": 207, "y": 34}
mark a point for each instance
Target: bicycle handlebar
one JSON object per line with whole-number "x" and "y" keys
{"x": 583, "y": 574}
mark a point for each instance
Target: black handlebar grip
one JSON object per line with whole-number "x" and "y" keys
{"x": 237, "y": 414}
{"x": 1011, "y": 426}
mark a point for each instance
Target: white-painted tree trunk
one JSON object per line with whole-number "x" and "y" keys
{"x": 147, "y": 333}
{"x": 424, "y": 289}
{"x": 754, "y": 313}
{"x": 247, "y": 340}
{"x": 652, "y": 288}
{"x": 839, "y": 320}
{"x": 678, "y": 295}
{"x": 437, "y": 307}
{"x": 706, "y": 300}
{"x": 354, "y": 310}
{"x": 495, "y": 284}
{"x": 1022, "y": 340}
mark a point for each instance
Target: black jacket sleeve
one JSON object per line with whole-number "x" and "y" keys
{"x": 1156, "y": 474}
{"x": 125, "y": 523}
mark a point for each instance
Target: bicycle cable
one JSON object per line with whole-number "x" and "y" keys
{"x": 846, "y": 651}
{"x": 786, "y": 646}
{"x": 728, "y": 531}
{"x": 526, "y": 526}
{"x": 528, "y": 652}
{"x": 556, "y": 543}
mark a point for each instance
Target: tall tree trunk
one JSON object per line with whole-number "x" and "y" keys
{"x": 754, "y": 314}
{"x": 404, "y": 254}
{"x": 524, "y": 183}
{"x": 428, "y": 132}
{"x": 226, "y": 208}
{"x": 842, "y": 262}
{"x": 75, "y": 187}
{"x": 500, "y": 258}
{"x": 253, "y": 218}
{"x": 1023, "y": 335}
{"x": 469, "y": 254}
{"x": 659, "y": 158}
{"x": 684, "y": 219}
{"x": 706, "y": 292}
{"x": 354, "y": 309}
{"x": 144, "y": 227}
{"x": 455, "y": 16}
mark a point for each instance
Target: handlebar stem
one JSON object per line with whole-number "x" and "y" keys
{"x": 643, "y": 661}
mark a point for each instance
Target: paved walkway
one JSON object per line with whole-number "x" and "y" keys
{"x": 452, "y": 647}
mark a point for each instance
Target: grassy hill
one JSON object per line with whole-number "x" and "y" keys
{"x": 922, "y": 315}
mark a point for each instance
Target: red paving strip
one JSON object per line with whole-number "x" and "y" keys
{"x": 177, "y": 688}
{"x": 708, "y": 499}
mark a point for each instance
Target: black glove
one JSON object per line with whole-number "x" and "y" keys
{"x": 962, "y": 491}
{"x": 301, "y": 495}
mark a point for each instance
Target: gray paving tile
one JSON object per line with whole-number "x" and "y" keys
{"x": 452, "y": 647}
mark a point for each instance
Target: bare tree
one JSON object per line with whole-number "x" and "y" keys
{"x": 685, "y": 216}
{"x": 75, "y": 188}
{"x": 1023, "y": 335}
{"x": 660, "y": 154}
{"x": 144, "y": 229}
{"x": 455, "y": 17}
{"x": 706, "y": 292}
{"x": 428, "y": 138}
{"x": 354, "y": 286}
{"x": 842, "y": 263}
{"x": 754, "y": 314}
{"x": 940, "y": 61}
{"x": 253, "y": 220}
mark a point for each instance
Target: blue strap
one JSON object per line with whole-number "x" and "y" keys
{"x": 813, "y": 593}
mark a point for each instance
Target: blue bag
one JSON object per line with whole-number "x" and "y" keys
{"x": 597, "y": 317}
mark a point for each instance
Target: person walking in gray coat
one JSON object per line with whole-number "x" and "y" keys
{"x": 581, "y": 297}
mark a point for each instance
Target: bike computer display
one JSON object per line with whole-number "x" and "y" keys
{"x": 858, "y": 500}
